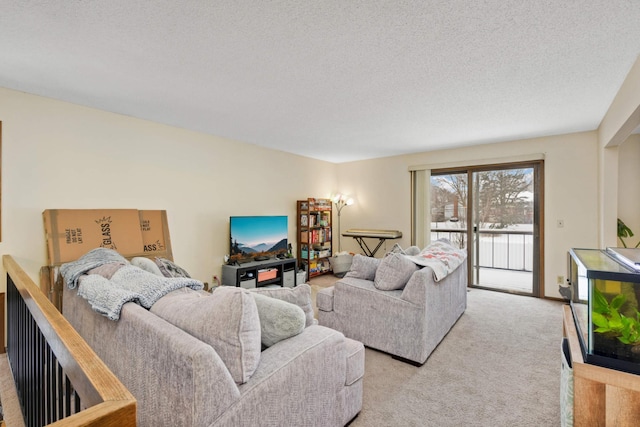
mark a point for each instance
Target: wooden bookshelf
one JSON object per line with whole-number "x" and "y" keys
{"x": 314, "y": 219}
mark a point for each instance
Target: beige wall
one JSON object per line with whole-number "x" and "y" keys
{"x": 571, "y": 181}
{"x": 58, "y": 155}
{"x": 623, "y": 115}
{"x": 620, "y": 120}
{"x": 629, "y": 187}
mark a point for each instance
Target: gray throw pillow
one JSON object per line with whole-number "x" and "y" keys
{"x": 363, "y": 267}
{"x": 279, "y": 319}
{"x": 300, "y": 296}
{"x": 170, "y": 268}
{"x": 412, "y": 250}
{"x": 394, "y": 272}
{"x": 227, "y": 320}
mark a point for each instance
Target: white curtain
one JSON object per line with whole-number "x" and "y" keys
{"x": 420, "y": 207}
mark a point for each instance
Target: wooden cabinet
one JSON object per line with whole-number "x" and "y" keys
{"x": 601, "y": 396}
{"x": 314, "y": 218}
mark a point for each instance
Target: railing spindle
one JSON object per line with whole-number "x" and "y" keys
{"x": 38, "y": 339}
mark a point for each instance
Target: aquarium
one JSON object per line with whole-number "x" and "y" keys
{"x": 605, "y": 290}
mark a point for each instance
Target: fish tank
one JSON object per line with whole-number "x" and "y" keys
{"x": 605, "y": 290}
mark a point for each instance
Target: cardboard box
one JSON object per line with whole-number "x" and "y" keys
{"x": 155, "y": 234}
{"x": 71, "y": 233}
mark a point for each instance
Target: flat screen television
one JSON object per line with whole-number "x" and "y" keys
{"x": 255, "y": 238}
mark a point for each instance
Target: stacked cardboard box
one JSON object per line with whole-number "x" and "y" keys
{"x": 71, "y": 233}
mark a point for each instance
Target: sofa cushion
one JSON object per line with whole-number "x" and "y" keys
{"x": 279, "y": 319}
{"x": 363, "y": 267}
{"x": 227, "y": 320}
{"x": 394, "y": 272}
{"x": 300, "y": 296}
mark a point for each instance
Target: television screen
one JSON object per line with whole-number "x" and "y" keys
{"x": 257, "y": 237}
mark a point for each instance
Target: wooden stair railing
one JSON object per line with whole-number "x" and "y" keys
{"x": 58, "y": 378}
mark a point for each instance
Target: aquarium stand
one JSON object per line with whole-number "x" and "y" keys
{"x": 601, "y": 396}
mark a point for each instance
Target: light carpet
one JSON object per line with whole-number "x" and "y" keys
{"x": 498, "y": 366}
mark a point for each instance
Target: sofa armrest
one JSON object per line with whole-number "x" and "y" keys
{"x": 311, "y": 365}
{"x": 324, "y": 299}
{"x": 416, "y": 289}
{"x": 423, "y": 290}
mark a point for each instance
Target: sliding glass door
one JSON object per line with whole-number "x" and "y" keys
{"x": 494, "y": 213}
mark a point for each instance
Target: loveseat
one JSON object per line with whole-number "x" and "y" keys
{"x": 403, "y": 304}
{"x": 217, "y": 374}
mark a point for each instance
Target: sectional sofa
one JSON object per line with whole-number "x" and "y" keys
{"x": 197, "y": 359}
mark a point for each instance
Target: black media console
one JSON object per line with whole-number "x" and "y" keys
{"x": 255, "y": 274}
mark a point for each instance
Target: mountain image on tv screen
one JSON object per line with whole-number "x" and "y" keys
{"x": 255, "y": 237}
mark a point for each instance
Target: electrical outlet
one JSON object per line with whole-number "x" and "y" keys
{"x": 560, "y": 280}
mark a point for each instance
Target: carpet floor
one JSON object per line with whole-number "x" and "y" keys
{"x": 498, "y": 366}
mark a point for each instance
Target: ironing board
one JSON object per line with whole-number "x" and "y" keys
{"x": 361, "y": 234}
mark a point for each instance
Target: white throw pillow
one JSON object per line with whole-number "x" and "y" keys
{"x": 227, "y": 320}
{"x": 147, "y": 265}
{"x": 394, "y": 272}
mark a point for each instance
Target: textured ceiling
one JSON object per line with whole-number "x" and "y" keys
{"x": 337, "y": 80}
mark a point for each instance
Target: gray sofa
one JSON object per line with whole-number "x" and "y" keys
{"x": 313, "y": 378}
{"x": 408, "y": 321}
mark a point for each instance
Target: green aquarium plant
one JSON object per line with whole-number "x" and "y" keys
{"x": 608, "y": 319}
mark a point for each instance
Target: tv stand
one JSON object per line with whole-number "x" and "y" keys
{"x": 255, "y": 274}
{"x": 262, "y": 258}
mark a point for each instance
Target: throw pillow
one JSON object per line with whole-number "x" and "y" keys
{"x": 363, "y": 267}
{"x": 147, "y": 265}
{"x": 300, "y": 296}
{"x": 394, "y": 272}
{"x": 279, "y": 319}
{"x": 227, "y": 320}
{"x": 170, "y": 269}
{"x": 412, "y": 250}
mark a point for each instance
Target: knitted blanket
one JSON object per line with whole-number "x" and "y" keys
{"x": 128, "y": 284}
{"x": 71, "y": 271}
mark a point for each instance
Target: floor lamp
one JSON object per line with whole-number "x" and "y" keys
{"x": 340, "y": 200}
